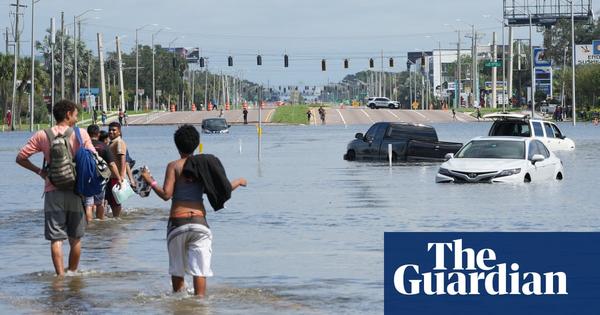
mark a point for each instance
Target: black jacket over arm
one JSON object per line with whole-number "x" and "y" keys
{"x": 208, "y": 169}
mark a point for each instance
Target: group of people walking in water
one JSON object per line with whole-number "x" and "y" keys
{"x": 187, "y": 180}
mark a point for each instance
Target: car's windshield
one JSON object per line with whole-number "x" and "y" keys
{"x": 493, "y": 149}
{"x": 215, "y": 124}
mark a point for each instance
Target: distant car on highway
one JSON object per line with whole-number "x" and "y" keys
{"x": 381, "y": 102}
{"x": 410, "y": 142}
{"x": 501, "y": 159}
{"x": 520, "y": 125}
{"x": 215, "y": 125}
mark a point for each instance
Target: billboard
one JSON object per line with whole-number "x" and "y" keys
{"x": 588, "y": 54}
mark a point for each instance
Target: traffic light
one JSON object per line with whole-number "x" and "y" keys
{"x": 391, "y": 62}
{"x": 230, "y": 61}
{"x": 423, "y": 61}
{"x": 371, "y": 63}
{"x": 323, "y": 66}
{"x": 346, "y": 63}
{"x": 285, "y": 61}
{"x": 258, "y": 60}
{"x": 201, "y": 61}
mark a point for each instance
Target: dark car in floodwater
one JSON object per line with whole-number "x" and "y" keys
{"x": 410, "y": 142}
{"x": 215, "y": 125}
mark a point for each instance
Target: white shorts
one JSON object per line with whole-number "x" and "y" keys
{"x": 190, "y": 250}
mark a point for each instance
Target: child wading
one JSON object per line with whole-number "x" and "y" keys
{"x": 189, "y": 238}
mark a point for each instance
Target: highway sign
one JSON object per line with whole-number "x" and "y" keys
{"x": 493, "y": 64}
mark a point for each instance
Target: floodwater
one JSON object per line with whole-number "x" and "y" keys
{"x": 305, "y": 236}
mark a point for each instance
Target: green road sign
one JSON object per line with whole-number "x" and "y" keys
{"x": 493, "y": 64}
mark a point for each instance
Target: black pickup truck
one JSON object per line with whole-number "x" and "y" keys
{"x": 410, "y": 142}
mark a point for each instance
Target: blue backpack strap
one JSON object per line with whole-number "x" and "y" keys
{"x": 78, "y": 134}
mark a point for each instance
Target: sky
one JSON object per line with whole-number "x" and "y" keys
{"x": 306, "y": 30}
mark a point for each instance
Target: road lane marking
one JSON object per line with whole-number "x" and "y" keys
{"x": 363, "y": 111}
{"x": 342, "y": 117}
{"x": 269, "y": 115}
{"x": 389, "y": 111}
{"x": 420, "y": 114}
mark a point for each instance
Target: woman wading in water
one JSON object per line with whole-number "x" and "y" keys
{"x": 189, "y": 238}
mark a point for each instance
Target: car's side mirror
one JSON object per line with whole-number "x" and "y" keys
{"x": 228, "y": 126}
{"x": 359, "y": 136}
{"x": 562, "y": 137}
{"x": 537, "y": 158}
{"x": 449, "y": 156}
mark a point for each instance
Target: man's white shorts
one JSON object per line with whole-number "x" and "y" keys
{"x": 190, "y": 250}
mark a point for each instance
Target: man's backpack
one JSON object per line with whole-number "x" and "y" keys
{"x": 61, "y": 167}
{"x": 92, "y": 171}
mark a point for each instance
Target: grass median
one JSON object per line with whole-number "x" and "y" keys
{"x": 290, "y": 114}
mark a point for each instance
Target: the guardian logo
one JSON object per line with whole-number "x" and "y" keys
{"x": 474, "y": 273}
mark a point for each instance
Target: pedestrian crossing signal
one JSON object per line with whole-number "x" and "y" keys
{"x": 230, "y": 61}
{"x": 201, "y": 61}
{"x": 391, "y": 62}
{"x": 371, "y": 63}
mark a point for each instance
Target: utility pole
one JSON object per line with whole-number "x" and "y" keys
{"x": 17, "y": 48}
{"x": 32, "y": 92}
{"x": 52, "y": 45}
{"x": 510, "y": 64}
{"x": 206, "y": 84}
{"x": 62, "y": 55}
{"x": 6, "y": 39}
{"x": 494, "y": 71}
{"x": 121, "y": 89}
{"x": 458, "y": 74}
{"x": 101, "y": 64}
{"x": 75, "y": 49}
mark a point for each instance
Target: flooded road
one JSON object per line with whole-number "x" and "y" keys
{"x": 305, "y": 236}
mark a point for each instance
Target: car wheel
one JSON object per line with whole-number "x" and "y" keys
{"x": 527, "y": 178}
{"x": 372, "y": 106}
{"x": 559, "y": 176}
{"x": 351, "y": 155}
{"x": 391, "y": 106}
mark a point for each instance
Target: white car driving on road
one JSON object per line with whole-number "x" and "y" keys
{"x": 501, "y": 159}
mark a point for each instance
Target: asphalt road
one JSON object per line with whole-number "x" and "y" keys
{"x": 333, "y": 116}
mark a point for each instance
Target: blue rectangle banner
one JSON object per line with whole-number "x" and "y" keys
{"x": 492, "y": 273}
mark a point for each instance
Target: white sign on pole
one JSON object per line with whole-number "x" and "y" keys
{"x": 584, "y": 54}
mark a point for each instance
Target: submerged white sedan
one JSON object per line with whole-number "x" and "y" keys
{"x": 501, "y": 159}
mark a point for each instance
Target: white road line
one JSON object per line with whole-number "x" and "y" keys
{"x": 416, "y": 112}
{"x": 269, "y": 115}
{"x": 154, "y": 117}
{"x": 363, "y": 111}
{"x": 342, "y": 117}
{"x": 389, "y": 111}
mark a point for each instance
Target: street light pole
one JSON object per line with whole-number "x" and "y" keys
{"x": 76, "y": 48}
{"x": 153, "y": 71}
{"x": 137, "y": 64}
{"x": 573, "y": 62}
{"x": 532, "y": 67}
{"x": 32, "y": 92}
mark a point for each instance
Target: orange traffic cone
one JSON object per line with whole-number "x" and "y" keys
{"x": 209, "y": 107}
{"x": 227, "y": 106}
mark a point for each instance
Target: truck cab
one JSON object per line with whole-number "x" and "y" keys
{"x": 520, "y": 125}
